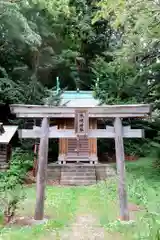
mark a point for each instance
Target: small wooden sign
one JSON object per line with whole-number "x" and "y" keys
{"x": 81, "y": 122}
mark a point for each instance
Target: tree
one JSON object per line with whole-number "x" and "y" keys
{"x": 139, "y": 23}
{"x": 133, "y": 73}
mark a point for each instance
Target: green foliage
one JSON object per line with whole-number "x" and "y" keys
{"x": 138, "y": 148}
{"x": 22, "y": 58}
{"x": 143, "y": 190}
{"x": 14, "y": 26}
{"x": 21, "y": 162}
{"x": 111, "y": 47}
{"x": 155, "y": 151}
{"x": 10, "y": 200}
{"x": 52, "y": 39}
{"x": 117, "y": 80}
{"x": 138, "y": 22}
{"x": 131, "y": 75}
{"x": 11, "y": 181}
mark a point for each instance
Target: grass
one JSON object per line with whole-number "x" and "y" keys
{"x": 63, "y": 205}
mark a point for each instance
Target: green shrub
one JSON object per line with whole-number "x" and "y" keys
{"x": 155, "y": 153}
{"x": 10, "y": 198}
{"x": 138, "y": 147}
{"x": 11, "y": 183}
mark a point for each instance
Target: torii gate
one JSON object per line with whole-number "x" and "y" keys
{"x": 81, "y": 115}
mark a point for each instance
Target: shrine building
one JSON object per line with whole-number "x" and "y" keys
{"x": 82, "y": 149}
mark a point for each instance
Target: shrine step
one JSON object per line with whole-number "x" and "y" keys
{"x": 83, "y": 157}
{"x": 3, "y": 165}
{"x": 78, "y": 169}
{"x": 78, "y": 182}
{"x": 78, "y": 175}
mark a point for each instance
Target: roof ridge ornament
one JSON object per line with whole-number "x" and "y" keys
{"x": 57, "y": 85}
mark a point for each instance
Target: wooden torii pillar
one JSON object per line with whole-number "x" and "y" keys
{"x": 42, "y": 170}
{"x": 120, "y": 161}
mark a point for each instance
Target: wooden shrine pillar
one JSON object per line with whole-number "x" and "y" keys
{"x": 63, "y": 146}
{"x": 93, "y": 143}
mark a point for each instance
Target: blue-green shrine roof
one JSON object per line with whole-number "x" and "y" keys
{"x": 78, "y": 99}
{"x": 78, "y": 94}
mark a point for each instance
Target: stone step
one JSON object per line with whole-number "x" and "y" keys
{"x": 78, "y": 174}
{"x": 4, "y": 166}
{"x": 50, "y": 173}
{"x": 3, "y": 162}
{"x": 3, "y": 153}
{"x": 73, "y": 155}
{"x": 3, "y": 159}
{"x": 74, "y": 159}
{"x": 81, "y": 172}
{"x": 78, "y": 169}
{"x": 72, "y": 165}
{"x": 72, "y": 170}
{"x": 78, "y": 182}
{"x": 76, "y": 177}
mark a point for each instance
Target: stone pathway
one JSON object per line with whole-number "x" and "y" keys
{"x": 83, "y": 229}
{"x": 86, "y": 226}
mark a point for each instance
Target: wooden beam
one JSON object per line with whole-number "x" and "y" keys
{"x": 38, "y": 111}
{"x": 42, "y": 171}
{"x": 70, "y": 133}
{"x": 72, "y": 115}
{"x": 124, "y": 214}
{"x": 96, "y": 138}
{"x": 128, "y": 132}
{"x": 132, "y": 133}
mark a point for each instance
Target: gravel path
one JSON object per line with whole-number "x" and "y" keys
{"x": 86, "y": 228}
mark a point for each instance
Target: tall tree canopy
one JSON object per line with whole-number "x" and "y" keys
{"x": 138, "y": 53}
{"x": 41, "y": 40}
{"x": 109, "y": 46}
{"x": 133, "y": 73}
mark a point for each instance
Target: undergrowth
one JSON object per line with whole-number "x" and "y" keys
{"x": 11, "y": 184}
